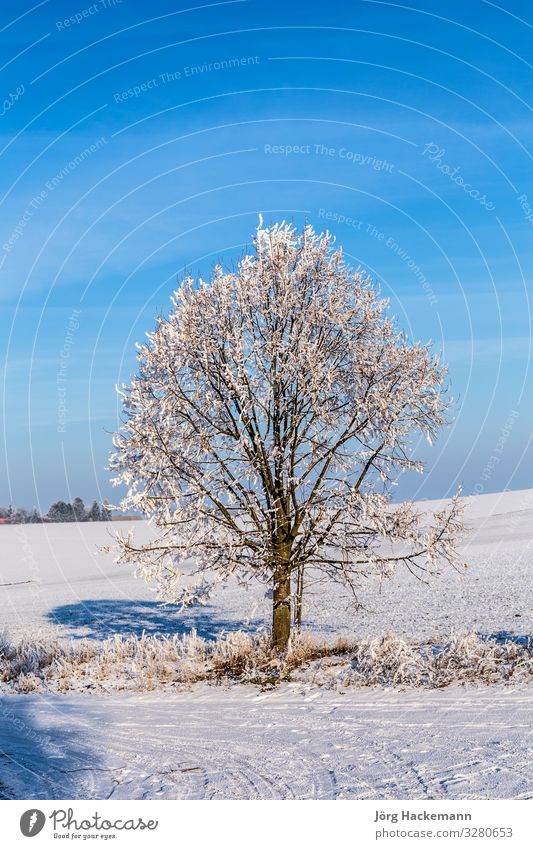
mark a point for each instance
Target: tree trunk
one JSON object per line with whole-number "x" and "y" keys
{"x": 299, "y": 597}
{"x": 281, "y": 613}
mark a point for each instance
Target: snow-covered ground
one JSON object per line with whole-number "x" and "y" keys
{"x": 294, "y": 742}
{"x": 57, "y": 584}
{"x": 242, "y": 744}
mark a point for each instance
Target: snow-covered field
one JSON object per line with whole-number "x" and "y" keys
{"x": 296, "y": 741}
{"x": 56, "y": 584}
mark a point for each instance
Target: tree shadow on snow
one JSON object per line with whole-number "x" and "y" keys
{"x": 509, "y": 637}
{"x": 97, "y": 619}
{"x": 45, "y": 753}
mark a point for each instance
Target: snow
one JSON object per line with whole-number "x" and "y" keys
{"x": 296, "y": 741}
{"x": 76, "y": 591}
{"x": 213, "y": 743}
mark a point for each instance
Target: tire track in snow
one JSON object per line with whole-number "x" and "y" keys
{"x": 211, "y": 743}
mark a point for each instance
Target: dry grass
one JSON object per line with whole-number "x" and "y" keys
{"x": 393, "y": 661}
{"x": 150, "y": 663}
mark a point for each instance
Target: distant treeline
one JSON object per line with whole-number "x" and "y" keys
{"x": 61, "y": 511}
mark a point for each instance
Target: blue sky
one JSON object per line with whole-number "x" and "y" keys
{"x": 139, "y": 140}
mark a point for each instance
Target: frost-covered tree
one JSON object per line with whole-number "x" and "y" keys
{"x": 78, "y": 508}
{"x": 271, "y": 413}
{"x": 61, "y": 511}
{"x": 93, "y": 514}
{"x": 20, "y": 516}
{"x": 106, "y": 514}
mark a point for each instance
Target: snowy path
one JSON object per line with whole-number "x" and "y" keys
{"x": 242, "y": 744}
